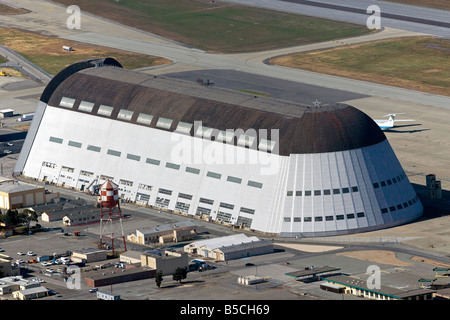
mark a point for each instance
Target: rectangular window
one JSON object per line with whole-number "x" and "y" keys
{"x": 266, "y": 145}
{"x": 245, "y": 140}
{"x": 202, "y": 210}
{"x": 345, "y": 190}
{"x": 56, "y": 140}
{"x": 145, "y": 187}
{"x": 298, "y": 193}
{"x": 351, "y": 216}
{"x": 153, "y": 161}
{"x": 165, "y": 191}
{"x": 297, "y": 219}
{"x": 287, "y": 219}
{"x": 336, "y": 191}
{"x": 329, "y": 218}
{"x": 376, "y": 185}
{"x": 340, "y": 217}
{"x": 207, "y": 201}
{"x": 105, "y": 110}
{"x": 354, "y": 189}
{"x": 254, "y": 184}
{"x": 144, "y": 119}
{"x": 133, "y": 157}
{"x": 114, "y": 153}
{"x": 405, "y": 205}
{"x": 318, "y": 219}
{"x": 67, "y": 102}
{"x": 389, "y": 182}
{"x": 307, "y": 219}
{"x": 308, "y": 193}
{"x": 125, "y": 115}
{"x": 192, "y": 170}
{"x": 226, "y": 205}
{"x": 184, "y": 127}
{"x": 126, "y": 182}
{"x": 164, "y": 123}
{"x": 383, "y": 184}
{"x": 360, "y": 215}
{"x": 246, "y": 210}
{"x": 399, "y": 206}
{"x": 185, "y": 196}
{"x": 317, "y": 192}
{"x": 289, "y": 193}
{"x": 86, "y": 173}
{"x": 214, "y": 175}
{"x": 225, "y": 136}
{"x": 204, "y": 132}
{"x": 392, "y": 208}
{"x": 234, "y": 179}
{"x": 74, "y": 144}
{"x": 384, "y": 210}
{"x": 326, "y": 192}
{"x": 86, "y": 106}
{"x": 93, "y": 148}
{"x": 172, "y": 166}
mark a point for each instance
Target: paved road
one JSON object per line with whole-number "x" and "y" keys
{"x": 394, "y": 15}
{"x": 30, "y": 69}
{"x": 48, "y": 16}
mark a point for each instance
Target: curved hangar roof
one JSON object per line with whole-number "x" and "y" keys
{"x": 301, "y": 129}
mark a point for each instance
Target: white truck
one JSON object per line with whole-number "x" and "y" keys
{"x": 26, "y": 117}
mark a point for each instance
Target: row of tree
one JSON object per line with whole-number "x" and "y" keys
{"x": 178, "y": 275}
{"x": 13, "y": 218}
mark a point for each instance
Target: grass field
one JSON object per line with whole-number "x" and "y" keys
{"x": 220, "y": 26}
{"x": 418, "y": 63}
{"x": 47, "y": 53}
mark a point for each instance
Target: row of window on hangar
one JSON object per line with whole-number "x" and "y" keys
{"x": 156, "y": 162}
{"x": 226, "y": 136}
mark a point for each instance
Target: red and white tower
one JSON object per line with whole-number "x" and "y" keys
{"x": 110, "y": 215}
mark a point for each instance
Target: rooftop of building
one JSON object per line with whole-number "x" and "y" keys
{"x": 302, "y": 129}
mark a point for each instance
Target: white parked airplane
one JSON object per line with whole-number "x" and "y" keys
{"x": 389, "y": 123}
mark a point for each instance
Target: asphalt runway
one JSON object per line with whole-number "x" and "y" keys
{"x": 276, "y": 88}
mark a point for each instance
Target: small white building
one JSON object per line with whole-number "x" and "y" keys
{"x": 230, "y": 247}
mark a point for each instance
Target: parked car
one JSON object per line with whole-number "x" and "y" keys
{"x": 31, "y": 253}
{"x": 2, "y": 250}
{"x": 18, "y": 261}
{"x": 20, "y": 253}
{"x": 46, "y": 263}
{"x": 93, "y": 290}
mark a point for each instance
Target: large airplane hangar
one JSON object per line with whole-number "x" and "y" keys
{"x": 270, "y": 165}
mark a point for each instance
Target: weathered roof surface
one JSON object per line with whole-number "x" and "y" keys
{"x": 302, "y": 129}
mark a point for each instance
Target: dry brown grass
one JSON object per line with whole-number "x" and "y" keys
{"x": 376, "y": 256}
{"x": 47, "y": 52}
{"x": 416, "y": 63}
{"x": 7, "y": 10}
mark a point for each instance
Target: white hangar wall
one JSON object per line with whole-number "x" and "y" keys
{"x": 72, "y": 149}
{"x": 307, "y": 195}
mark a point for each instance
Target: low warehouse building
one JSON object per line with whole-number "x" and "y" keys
{"x": 14, "y": 195}
{"x": 89, "y": 255}
{"x": 180, "y": 231}
{"x": 81, "y": 217}
{"x": 165, "y": 261}
{"x": 230, "y": 247}
{"x": 359, "y": 288}
{"x": 112, "y": 276}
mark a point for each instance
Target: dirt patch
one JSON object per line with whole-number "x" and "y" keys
{"x": 377, "y": 256}
{"x": 430, "y": 262}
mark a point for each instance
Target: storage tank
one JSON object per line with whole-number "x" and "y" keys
{"x": 109, "y": 194}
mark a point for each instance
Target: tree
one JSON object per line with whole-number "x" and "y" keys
{"x": 159, "y": 278}
{"x": 179, "y": 274}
